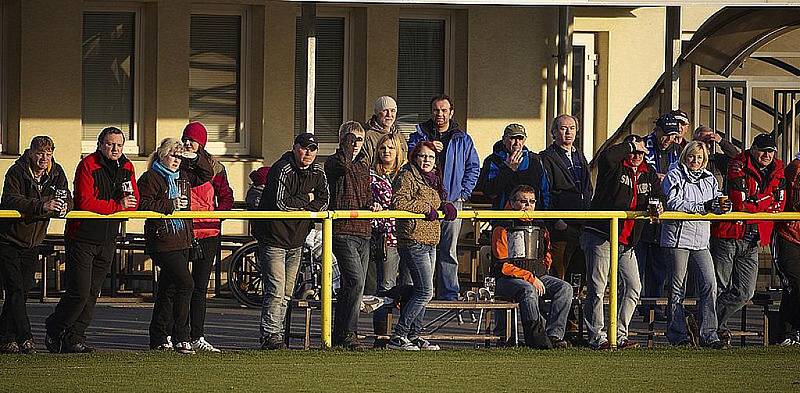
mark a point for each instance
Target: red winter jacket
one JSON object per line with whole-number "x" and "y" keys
{"x": 98, "y": 188}
{"x": 750, "y": 193}
{"x": 210, "y": 196}
{"x": 790, "y": 230}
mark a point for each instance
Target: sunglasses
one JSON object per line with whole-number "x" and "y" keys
{"x": 311, "y": 148}
{"x": 517, "y": 138}
{"x": 526, "y": 201}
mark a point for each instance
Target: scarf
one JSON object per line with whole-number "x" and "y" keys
{"x": 691, "y": 176}
{"x": 432, "y": 180}
{"x": 171, "y": 178}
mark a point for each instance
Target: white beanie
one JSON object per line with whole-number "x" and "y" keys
{"x": 384, "y": 102}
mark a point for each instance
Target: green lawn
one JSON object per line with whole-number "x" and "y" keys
{"x": 751, "y": 369}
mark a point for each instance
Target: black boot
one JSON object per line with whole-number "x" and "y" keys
{"x": 535, "y": 336}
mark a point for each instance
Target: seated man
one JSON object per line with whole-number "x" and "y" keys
{"x": 521, "y": 253}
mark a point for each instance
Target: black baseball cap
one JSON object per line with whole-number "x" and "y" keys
{"x": 306, "y": 139}
{"x": 680, "y": 116}
{"x": 764, "y": 142}
{"x": 669, "y": 124}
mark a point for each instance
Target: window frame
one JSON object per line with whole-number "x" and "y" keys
{"x": 328, "y": 148}
{"x": 449, "y": 31}
{"x": 132, "y": 145}
{"x": 241, "y": 148}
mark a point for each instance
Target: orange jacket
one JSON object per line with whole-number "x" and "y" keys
{"x": 500, "y": 254}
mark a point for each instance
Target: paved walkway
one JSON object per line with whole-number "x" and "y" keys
{"x": 124, "y": 326}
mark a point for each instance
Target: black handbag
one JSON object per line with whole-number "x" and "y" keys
{"x": 196, "y": 252}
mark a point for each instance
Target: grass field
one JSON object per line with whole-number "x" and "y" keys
{"x": 751, "y": 369}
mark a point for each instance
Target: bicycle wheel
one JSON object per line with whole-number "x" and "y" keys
{"x": 244, "y": 276}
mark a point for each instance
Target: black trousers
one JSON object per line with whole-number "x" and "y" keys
{"x": 201, "y": 270}
{"x": 17, "y": 267}
{"x": 171, "y": 307}
{"x": 86, "y": 268}
{"x": 789, "y": 260}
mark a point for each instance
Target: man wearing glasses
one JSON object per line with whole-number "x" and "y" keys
{"x": 626, "y": 183}
{"x": 295, "y": 183}
{"x": 521, "y": 258}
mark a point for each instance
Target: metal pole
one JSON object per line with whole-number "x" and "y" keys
{"x": 612, "y": 291}
{"x": 327, "y": 280}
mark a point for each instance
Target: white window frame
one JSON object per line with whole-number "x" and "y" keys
{"x": 587, "y": 40}
{"x": 327, "y": 149}
{"x": 131, "y": 145}
{"x": 242, "y": 148}
{"x": 449, "y": 32}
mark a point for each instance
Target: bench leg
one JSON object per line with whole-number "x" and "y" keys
{"x": 766, "y": 326}
{"x": 509, "y": 325}
{"x": 307, "y": 336}
{"x": 651, "y": 327}
{"x": 287, "y": 325}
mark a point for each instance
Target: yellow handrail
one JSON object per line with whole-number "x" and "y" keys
{"x": 327, "y": 218}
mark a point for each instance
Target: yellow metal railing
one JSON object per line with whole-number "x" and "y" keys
{"x": 327, "y": 218}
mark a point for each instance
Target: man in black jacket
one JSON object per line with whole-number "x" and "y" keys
{"x": 570, "y": 189}
{"x": 36, "y": 187}
{"x": 511, "y": 164}
{"x": 624, "y": 182}
{"x": 295, "y": 183}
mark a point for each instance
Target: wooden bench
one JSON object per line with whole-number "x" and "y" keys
{"x": 742, "y": 333}
{"x": 452, "y": 308}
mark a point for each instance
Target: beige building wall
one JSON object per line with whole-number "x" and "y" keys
{"x": 632, "y": 41}
{"x": 501, "y": 65}
{"x": 509, "y": 54}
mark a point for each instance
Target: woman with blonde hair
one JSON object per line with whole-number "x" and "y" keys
{"x": 169, "y": 241}
{"x": 385, "y": 261}
{"x": 691, "y": 188}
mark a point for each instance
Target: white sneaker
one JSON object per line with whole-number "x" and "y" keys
{"x": 401, "y": 343}
{"x": 202, "y": 345}
{"x": 184, "y": 348}
{"x": 424, "y": 344}
{"x": 169, "y": 342}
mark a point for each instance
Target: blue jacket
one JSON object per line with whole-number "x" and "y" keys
{"x": 497, "y": 179}
{"x": 654, "y": 150}
{"x": 462, "y": 165}
{"x": 685, "y": 194}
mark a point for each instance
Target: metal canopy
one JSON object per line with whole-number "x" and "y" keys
{"x": 732, "y": 34}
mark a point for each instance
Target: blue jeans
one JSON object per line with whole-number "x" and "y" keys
{"x": 419, "y": 258}
{"x": 736, "y": 265}
{"x": 703, "y": 271}
{"x": 389, "y": 273}
{"x": 523, "y": 293}
{"x": 598, "y": 265}
{"x": 352, "y": 256}
{"x": 447, "y": 261}
{"x": 279, "y": 273}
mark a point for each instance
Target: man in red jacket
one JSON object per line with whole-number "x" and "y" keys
{"x": 756, "y": 184}
{"x": 105, "y": 183}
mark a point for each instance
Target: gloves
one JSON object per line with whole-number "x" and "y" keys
{"x": 432, "y": 215}
{"x": 449, "y": 211}
{"x": 711, "y": 205}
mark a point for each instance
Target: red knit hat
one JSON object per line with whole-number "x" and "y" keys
{"x": 196, "y": 131}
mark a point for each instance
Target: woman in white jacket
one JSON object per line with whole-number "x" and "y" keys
{"x": 691, "y": 188}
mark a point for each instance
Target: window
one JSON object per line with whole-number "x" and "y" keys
{"x": 420, "y": 69}
{"x": 329, "y": 79}
{"x": 216, "y": 80}
{"x": 109, "y": 67}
